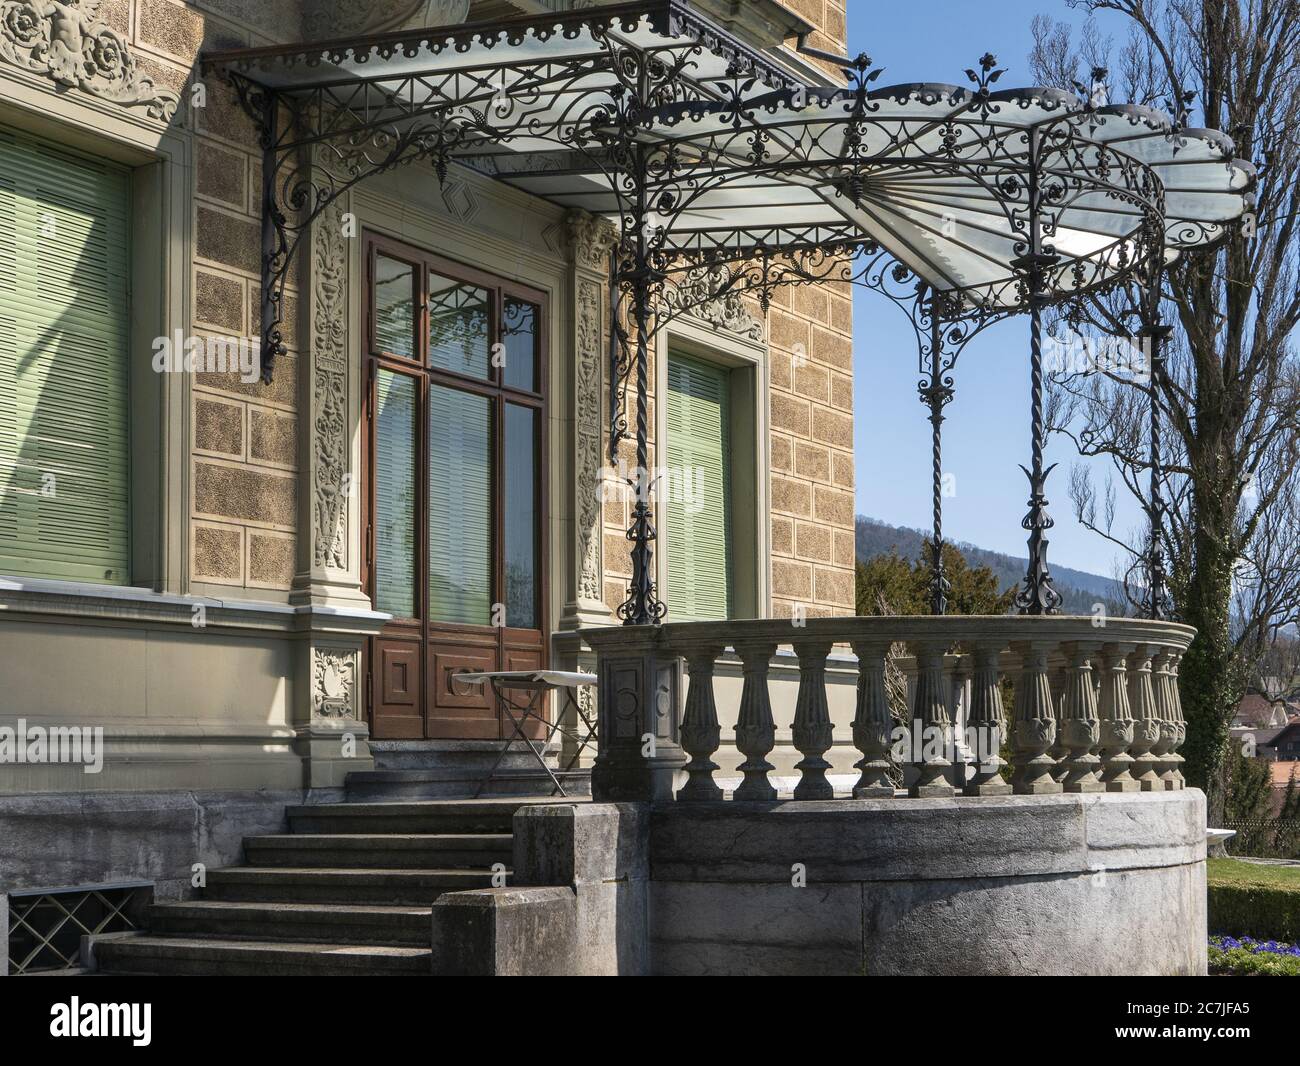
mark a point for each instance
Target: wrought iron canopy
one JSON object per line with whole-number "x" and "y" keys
{"x": 949, "y": 179}
{"x": 723, "y": 174}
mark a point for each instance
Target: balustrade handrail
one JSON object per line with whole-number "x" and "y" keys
{"x": 1096, "y": 705}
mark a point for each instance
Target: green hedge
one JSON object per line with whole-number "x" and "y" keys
{"x": 1244, "y": 963}
{"x": 1263, "y": 911}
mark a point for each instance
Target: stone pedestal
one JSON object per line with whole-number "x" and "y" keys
{"x": 637, "y": 699}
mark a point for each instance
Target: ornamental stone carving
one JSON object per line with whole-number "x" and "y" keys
{"x": 68, "y": 43}
{"x": 329, "y": 389}
{"x": 334, "y": 682}
{"x": 588, "y": 437}
{"x": 592, "y": 239}
{"x": 693, "y": 295}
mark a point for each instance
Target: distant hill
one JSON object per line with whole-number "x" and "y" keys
{"x": 1079, "y": 588}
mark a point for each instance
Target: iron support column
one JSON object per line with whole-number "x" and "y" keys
{"x": 1037, "y": 595}
{"x": 1156, "y": 604}
{"x": 936, "y": 393}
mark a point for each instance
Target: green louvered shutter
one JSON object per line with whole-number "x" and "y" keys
{"x": 699, "y": 491}
{"x": 64, "y": 306}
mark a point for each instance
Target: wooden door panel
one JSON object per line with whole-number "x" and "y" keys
{"x": 523, "y": 651}
{"x": 398, "y": 682}
{"x": 455, "y": 710}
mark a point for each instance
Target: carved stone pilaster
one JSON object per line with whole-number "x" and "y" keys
{"x": 329, "y": 414}
{"x": 67, "y": 43}
{"x": 590, "y": 241}
{"x": 332, "y": 735}
{"x": 331, "y": 483}
{"x": 335, "y": 615}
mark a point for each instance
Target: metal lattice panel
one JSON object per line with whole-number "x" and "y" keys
{"x": 46, "y": 927}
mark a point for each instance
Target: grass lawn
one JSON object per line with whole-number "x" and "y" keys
{"x": 1234, "y": 871}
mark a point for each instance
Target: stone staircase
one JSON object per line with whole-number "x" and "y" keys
{"x": 444, "y": 769}
{"x": 347, "y": 891}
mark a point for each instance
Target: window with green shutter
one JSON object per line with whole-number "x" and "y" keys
{"x": 698, "y": 489}
{"x": 64, "y": 306}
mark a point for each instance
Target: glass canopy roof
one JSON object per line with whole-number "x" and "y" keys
{"x": 654, "y": 117}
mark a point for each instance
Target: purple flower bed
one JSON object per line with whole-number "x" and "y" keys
{"x": 1258, "y": 947}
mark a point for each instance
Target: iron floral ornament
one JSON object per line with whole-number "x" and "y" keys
{"x": 66, "y": 41}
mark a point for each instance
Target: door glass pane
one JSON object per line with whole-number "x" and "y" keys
{"x": 521, "y": 516}
{"x": 460, "y": 507}
{"x": 394, "y": 307}
{"x": 458, "y": 327}
{"x": 395, "y": 447}
{"x": 519, "y": 335}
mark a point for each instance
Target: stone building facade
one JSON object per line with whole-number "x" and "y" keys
{"x": 229, "y": 663}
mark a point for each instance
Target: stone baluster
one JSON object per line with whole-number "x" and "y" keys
{"x": 1116, "y": 725}
{"x": 755, "y": 730}
{"x": 700, "y": 734}
{"x": 963, "y": 758}
{"x": 872, "y": 724}
{"x": 1078, "y": 726}
{"x": 986, "y": 722}
{"x": 812, "y": 731}
{"x": 1165, "y": 688}
{"x": 1180, "y": 723}
{"x": 930, "y": 714}
{"x": 1059, "y": 753}
{"x": 1035, "y": 724}
{"x": 1146, "y": 721}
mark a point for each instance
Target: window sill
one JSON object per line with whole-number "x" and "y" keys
{"x": 74, "y": 601}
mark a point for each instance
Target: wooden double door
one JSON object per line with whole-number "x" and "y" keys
{"x": 455, "y": 489}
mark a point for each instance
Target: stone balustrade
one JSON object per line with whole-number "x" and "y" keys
{"x": 1095, "y": 708}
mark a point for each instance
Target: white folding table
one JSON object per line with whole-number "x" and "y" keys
{"x": 538, "y": 684}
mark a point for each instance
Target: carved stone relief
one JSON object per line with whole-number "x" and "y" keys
{"x": 727, "y": 312}
{"x": 66, "y": 41}
{"x": 590, "y": 240}
{"x": 329, "y": 323}
{"x": 334, "y": 682}
{"x": 588, "y": 434}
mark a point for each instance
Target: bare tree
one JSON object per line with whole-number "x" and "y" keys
{"x": 1231, "y": 394}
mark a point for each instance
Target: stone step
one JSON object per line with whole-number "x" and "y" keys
{"x": 424, "y": 851}
{"x": 332, "y": 885}
{"x": 186, "y": 956}
{"x": 312, "y": 922}
{"x": 427, "y": 816}
{"x": 472, "y": 758}
{"x": 394, "y": 785}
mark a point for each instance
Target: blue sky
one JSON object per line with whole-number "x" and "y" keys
{"x": 986, "y": 434}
